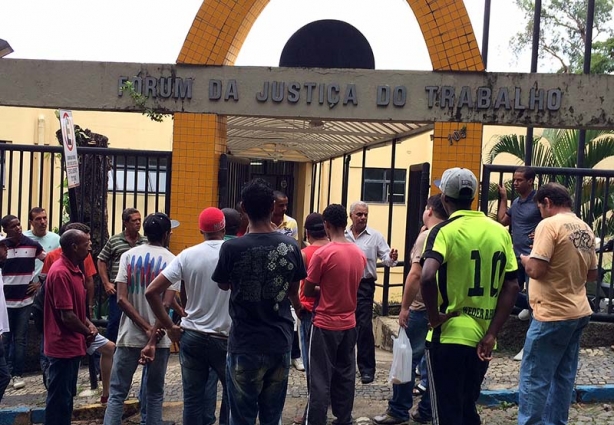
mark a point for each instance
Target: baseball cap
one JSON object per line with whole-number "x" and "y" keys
{"x": 157, "y": 224}
{"x": 314, "y": 222}
{"x": 211, "y": 220}
{"x": 458, "y": 183}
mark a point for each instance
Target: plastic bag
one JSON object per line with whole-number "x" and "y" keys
{"x": 401, "y": 369}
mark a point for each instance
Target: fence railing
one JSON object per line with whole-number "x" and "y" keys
{"x": 593, "y": 203}
{"x": 111, "y": 180}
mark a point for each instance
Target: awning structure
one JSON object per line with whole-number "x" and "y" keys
{"x": 310, "y": 140}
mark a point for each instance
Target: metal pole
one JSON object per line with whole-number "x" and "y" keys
{"x": 528, "y": 157}
{"x": 330, "y": 175}
{"x": 386, "y": 286}
{"x": 485, "y": 33}
{"x": 588, "y": 47}
{"x": 346, "y": 179}
{"x": 313, "y": 186}
{"x": 362, "y": 173}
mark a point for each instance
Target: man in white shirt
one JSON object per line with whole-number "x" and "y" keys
{"x": 137, "y": 269}
{"x": 204, "y": 331}
{"x": 373, "y": 244}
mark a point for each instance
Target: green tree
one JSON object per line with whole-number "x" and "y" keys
{"x": 558, "y": 148}
{"x": 563, "y": 34}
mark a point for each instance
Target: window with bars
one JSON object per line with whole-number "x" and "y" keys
{"x": 140, "y": 173}
{"x": 377, "y": 185}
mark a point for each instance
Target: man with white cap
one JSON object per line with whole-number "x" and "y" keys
{"x": 137, "y": 269}
{"x": 469, "y": 287}
{"x": 204, "y": 331}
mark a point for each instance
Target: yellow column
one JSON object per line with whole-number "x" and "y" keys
{"x": 198, "y": 142}
{"x": 465, "y": 153}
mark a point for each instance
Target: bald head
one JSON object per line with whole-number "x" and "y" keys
{"x": 75, "y": 245}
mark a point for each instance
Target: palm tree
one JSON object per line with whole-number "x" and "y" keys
{"x": 558, "y": 148}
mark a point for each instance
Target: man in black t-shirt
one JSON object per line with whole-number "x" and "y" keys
{"x": 262, "y": 270}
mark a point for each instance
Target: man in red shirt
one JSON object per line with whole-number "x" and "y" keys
{"x": 333, "y": 277}
{"x": 67, "y": 330}
{"x": 102, "y": 345}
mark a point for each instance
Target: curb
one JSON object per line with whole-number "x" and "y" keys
{"x": 22, "y": 415}
{"x": 581, "y": 394}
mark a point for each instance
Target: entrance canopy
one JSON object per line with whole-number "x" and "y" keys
{"x": 309, "y": 140}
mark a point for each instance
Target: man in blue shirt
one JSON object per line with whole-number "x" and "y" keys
{"x": 523, "y": 216}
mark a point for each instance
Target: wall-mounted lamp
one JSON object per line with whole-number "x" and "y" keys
{"x": 5, "y": 48}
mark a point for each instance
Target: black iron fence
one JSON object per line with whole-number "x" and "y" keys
{"x": 111, "y": 180}
{"x": 593, "y": 196}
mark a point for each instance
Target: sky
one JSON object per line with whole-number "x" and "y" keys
{"x": 153, "y": 31}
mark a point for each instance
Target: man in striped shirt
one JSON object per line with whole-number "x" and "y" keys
{"x": 19, "y": 290}
{"x": 108, "y": 263}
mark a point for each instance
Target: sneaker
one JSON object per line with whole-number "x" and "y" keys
{"x": 18, "y": 382}
{"x": 416, "y": 418}
{"x": 298, "y": 364}
{"x": 387, "y": 419}
{"x": 518, "y": 357}
{"x": 419, "y": 389}
{"x": 417, "y": 371}
{"x": 524, "y": 315}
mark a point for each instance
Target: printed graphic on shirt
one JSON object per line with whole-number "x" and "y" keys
{"x": 141, "y": 271}
{"x": 276, "y": 272}
{"x": 581, "y": 239}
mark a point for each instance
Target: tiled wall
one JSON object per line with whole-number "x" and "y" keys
{"x": 198, "y": 142}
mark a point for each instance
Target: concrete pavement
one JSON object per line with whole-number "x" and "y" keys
{"x": 596, "y": 373}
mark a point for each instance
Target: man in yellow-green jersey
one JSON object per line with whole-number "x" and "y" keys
{"x": 469, "y": 287}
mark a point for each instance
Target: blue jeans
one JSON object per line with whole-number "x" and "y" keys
{"x": 115, "y": 314}
{"x": 63, "y": 374}
{"x": 402, "y": 398}
{"x": 210, "y": 398}
{"x": 305, "y": 331}
{"x": 5, "y": 375}
{"x": 198, "y": 354}
{"x": 548, "y": 371}
{"x": 125, "y": 362}
{"x": 257, "y": 385}
{"x": 15, "y": 340}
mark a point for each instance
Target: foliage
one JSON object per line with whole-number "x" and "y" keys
{"x": 140, "y": 102}
{"x": 563, "y": 34}
{"x": 558, "y": 148}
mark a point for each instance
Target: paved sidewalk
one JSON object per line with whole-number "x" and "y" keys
{"x": 596, "y": 370}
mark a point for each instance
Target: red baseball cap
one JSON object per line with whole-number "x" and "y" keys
{"x": 211, "y": 220}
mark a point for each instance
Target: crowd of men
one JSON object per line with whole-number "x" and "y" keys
{"x": 249, "y": 298}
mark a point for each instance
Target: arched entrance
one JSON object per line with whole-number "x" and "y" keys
{"x": 215, "y": 38}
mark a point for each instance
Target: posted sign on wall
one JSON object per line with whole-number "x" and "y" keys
{"x": 70, "y": 148}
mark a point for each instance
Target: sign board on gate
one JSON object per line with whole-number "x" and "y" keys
{"x": 70, "y": 148}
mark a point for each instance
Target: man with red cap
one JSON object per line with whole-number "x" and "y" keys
{"x": 203, "y": 333}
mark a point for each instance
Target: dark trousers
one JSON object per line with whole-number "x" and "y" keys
{"x": 332, "y": 371}
{"x": 62, "y": 387}
{"x": 115, "y": 315}
{"x": 364, "y": 325}
{"x": 5, "y": 376}
{"x": 455, "y": 378}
